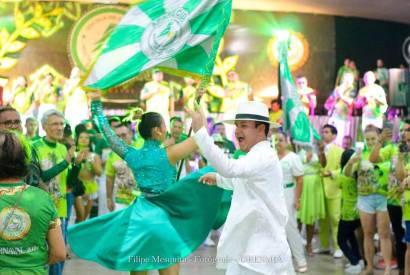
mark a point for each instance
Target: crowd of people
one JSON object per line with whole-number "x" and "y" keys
{"x": 353, "y": 195}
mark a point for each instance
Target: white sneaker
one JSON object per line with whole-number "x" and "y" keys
{"x": 361, "y": 263}
{"x": 302, "y": 269}
{"x": 209, "y": 242}
{"x": 354, "y": 269}
{"x": 338, "y": 254}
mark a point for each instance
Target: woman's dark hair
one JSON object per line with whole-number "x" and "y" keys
{"x": 347, "y": 154}
{"x": 13, "y": 156}
{"x": 148, "y": 122}
{"x": 77, "y": 136}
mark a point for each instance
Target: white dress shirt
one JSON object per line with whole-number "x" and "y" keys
{"x": 253, "y": 236}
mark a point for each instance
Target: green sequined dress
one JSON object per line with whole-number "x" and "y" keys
{"x": 162, "y": 227}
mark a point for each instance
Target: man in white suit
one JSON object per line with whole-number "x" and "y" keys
{"x": 253, "y": 240}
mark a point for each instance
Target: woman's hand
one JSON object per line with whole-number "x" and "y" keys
{"x": 209, "y": 179}
{"x": 198, "y": 117}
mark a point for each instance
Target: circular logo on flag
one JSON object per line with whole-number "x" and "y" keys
{"x": 15, "y": 223}
{"x": 167, "y": 35}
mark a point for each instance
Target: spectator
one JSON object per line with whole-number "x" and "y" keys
{"x": 32, "y": 129}
{"x": 91, "y": 168}
{"x": 219, "y": 128}
{"x": 54, "y": 160}
{"x": 121, "y": 185}
{"x": 31, "y": 220}
{"x": 275, "y": 112}
{"x": 10, "y": 119}
{"x": 382, "y": 75}
{"x": 347, "y": 142}
{"x": 177, "y": 134}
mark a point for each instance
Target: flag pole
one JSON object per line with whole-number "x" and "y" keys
{"x": 202, "y": 85}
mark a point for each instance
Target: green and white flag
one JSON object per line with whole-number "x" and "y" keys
{"x": 295, "y": 119}
{"x": 180, "y": 36}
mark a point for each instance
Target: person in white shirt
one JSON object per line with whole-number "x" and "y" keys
{"x": 253, "y": 240}
{"x": 292, "y": 169}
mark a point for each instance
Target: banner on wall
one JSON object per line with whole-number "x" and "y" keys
{"x": 89, "y": 33}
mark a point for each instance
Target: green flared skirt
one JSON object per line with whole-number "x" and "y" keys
{"x": 152, "y": 233}
{"x": 312, "y": 203}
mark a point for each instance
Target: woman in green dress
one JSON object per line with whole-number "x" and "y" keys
{"x": 166, "y": 223}
{"x": 312, "y": 204}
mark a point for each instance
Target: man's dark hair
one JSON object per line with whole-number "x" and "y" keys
{"x": 332, "y": 129}
{"x": 349, "y": 137}
{"x": 7, "y": 108}
{"x": 114, "y": 119}
{"x": 175, "y": 118}
{"x": 13, "y": 156}
{"x": 257, "y": 123}
{"x": 217, "y": 124}
{"x": 274, "y": 101}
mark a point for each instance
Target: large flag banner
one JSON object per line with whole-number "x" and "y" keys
{"x": 295, "y": 119}
{"x": 180, "y": 36}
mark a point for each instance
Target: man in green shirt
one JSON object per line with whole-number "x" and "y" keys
{"x": 119, "y": 177}
{"x": 219, "y": 128}
{"x": 32, "y": 129}
{"x": 54, "y": 160}
{"x": 177, "y": 134}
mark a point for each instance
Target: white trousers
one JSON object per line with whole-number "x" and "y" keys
{"x": 292, "y": 232}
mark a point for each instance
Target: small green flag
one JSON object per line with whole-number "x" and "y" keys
{"x": 295, "y": 119}
{"x": 179, "y": 36}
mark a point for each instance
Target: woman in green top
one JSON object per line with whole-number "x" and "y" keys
{"x": 91, "y": 167}
{"x": 30, "y": 235}
{"x": 372, "y": 200}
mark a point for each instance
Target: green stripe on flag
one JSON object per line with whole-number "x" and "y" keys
{"x": 122, "y": 36}
{"x": 200, "y": 24}
{"x": 126, "y": 71}
{"x": 152, "y": 11}
{"x": 191, "y": 59}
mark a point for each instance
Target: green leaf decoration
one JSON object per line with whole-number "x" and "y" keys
{"x": 38, "y": 10}
{"x": 19, "y": 18}
{"x": 7, "y": 63}
{"x": 44, "y": 22}
{"x": 4, "y": 35}
{"x": 30, "y": 33}
{"x": 16, "y": 46}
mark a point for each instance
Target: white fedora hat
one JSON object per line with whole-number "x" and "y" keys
{"x": 252, "y": 110}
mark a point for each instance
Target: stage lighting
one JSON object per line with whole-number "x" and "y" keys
{"x": 298, "y": 48}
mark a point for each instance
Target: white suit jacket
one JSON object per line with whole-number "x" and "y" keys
{"x": 254, "y": 233}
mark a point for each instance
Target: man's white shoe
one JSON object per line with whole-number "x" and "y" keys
{"x": 353, "y": 269}
{"x": 209, "y": 242}
{"x": 338, "y": 254}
